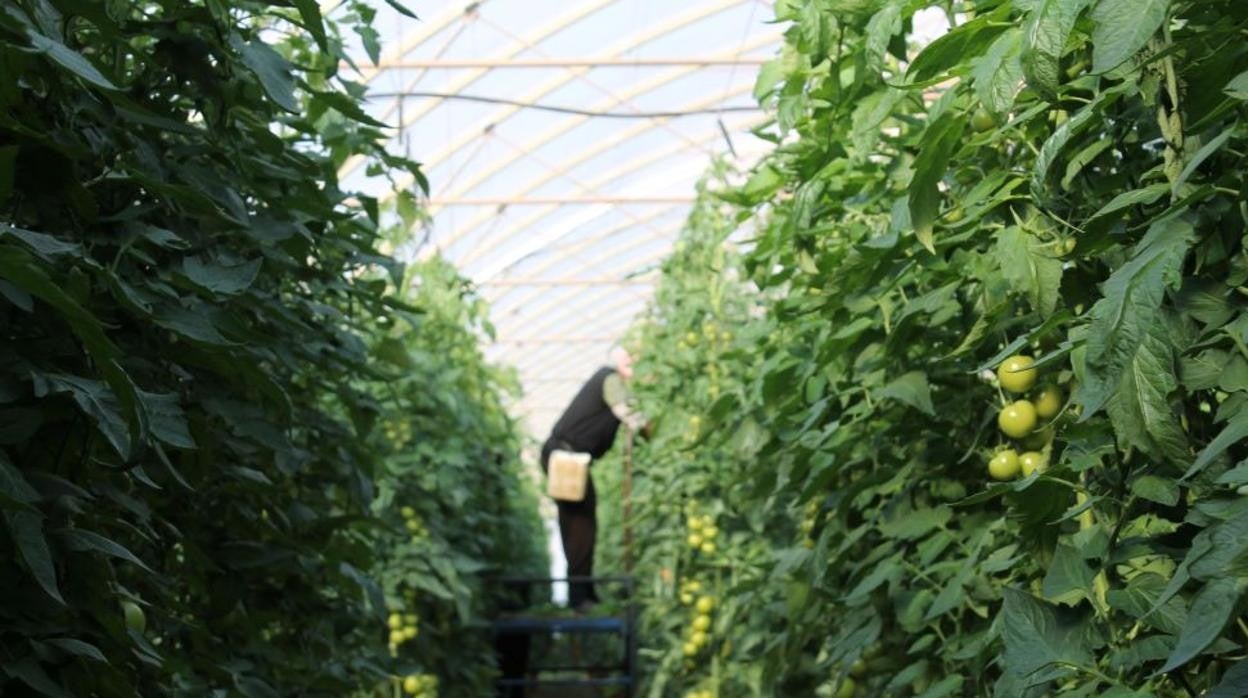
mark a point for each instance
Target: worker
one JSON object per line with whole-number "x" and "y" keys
{"x": 587, "y": 430}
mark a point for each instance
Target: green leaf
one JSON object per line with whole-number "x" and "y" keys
{"x": 1234, "y": 683}
{"x": 82, "y": 540}
{"x": 1156, "y": 489}
{"x": 1201, "y": 155}
{"x": 916, "y": 524}
{"x": 1138, "y": 598}
{"x": 310, "y": 11}
{"x": 43, "y": 245}
{"x": 26, "y": 529}
{"x": 222, "y": 279}
{"x": 912, "y": 389}
{"x": 939, "y": 142}
{"x": 70, "y": 59}
{"x": 1030, "y": 267}
{"x": 1054, "y": 144}
{"x": 272, "y": 70}
{"x": 78, "y": 647}
{"x": 29, "y": 671}
{"x": 1210, "y": 611}
{"x": 1238, "y": 86}
{"x": 1235, "y": 432}
{"x": 401, "y": 9}
{"x": 168, "y": 423}
{"x": 1036, "y": 636}
{"x": 1123, "y": 27}
{"x": 1135, "y": 197}
{"x": 1069, "y": 579}
{"x": 998, "y": 74}
{"x": 96, "y": 400}
{"x": 1140, "y": 410}
{"x": 1045, "y": 35}
{"x": 1121, "y": 320}
{"x": 957, "y": 45}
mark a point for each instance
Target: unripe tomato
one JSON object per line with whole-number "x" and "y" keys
{"x": 411, "y": 685}
{"x": 702, "y": 622}
{"x": 982, "y": 120}
{"x": 858, "y": 668}
{"x": 708, "y": 548}
{"x": 395, "y": 621}
{"x": 136, "y": 620}
{"x": 706, "y": 604}
{"x": 1016, "y": 374}
{"x": 694, "y": 540}
{"x": 845, "y": 689}
{"x": 1030, "y": 462}
{"x": 1066, "y": 247}
{"x": 699, "y": 638}
{"x": 1048, "y": 402}
{"x": 1017, "y": 419}
{"x": 690, "y": 649}
{"x": 1004, "y": 465}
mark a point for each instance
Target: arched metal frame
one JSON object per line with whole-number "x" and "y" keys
{"x": 556, "y": 271}
{"x": 605, "y": 146}
{"x": 630, "y": 43}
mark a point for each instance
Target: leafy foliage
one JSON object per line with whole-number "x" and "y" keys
{"x": 1054, "y": 178}
{"x": 201, "y": 344}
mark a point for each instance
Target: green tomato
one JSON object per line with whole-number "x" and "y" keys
{"x": 1048, "y": 402}
{"x": 1030, "y": 462}
{"x": 1004, "y": 465}
{"x": 136, "y": 620}
{"x": 983, "y": 121}
{"x": 1017, "y": 374}
{"x": 1018, "y": 419}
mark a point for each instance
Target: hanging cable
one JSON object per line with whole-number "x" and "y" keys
{"x": 569, "y": 110}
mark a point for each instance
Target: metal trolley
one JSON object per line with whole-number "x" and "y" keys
{"x": 577, "y": 672}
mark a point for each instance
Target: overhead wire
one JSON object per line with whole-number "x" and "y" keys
{"x": 570, "y": 110}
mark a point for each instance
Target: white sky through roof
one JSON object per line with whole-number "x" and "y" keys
{"x": 558, "y": 217}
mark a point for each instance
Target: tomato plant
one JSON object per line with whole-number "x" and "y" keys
{"x": 898, "y": 248}
{"x": 216, "y": 394}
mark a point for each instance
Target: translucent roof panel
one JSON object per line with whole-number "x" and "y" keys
{"x": 563, "y": 142}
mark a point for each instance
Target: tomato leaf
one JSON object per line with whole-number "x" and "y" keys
{"x": 1123, "y": 27}
{"x": 939, "y": 143}
{"x": 1120, "y": 320}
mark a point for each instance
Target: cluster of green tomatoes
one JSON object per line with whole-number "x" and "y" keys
{"x": 699, "y": 629}
{"x": 421, "y": 685}
{"x": 702, "y": 533}
{"x": 404, "y": 627}
{"x": 1019, "y": 419}
{"x": 413, "y": 524}
{"x": 398, "y": 432}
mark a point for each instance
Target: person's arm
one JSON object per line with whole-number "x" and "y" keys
{"x": 615, "y": 393}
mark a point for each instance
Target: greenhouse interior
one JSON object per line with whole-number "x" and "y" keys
{"x": 700, "y": 349}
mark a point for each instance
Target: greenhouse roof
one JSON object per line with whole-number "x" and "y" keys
{"x": 562, "y": 142}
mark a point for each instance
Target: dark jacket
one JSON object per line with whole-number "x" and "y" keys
{"x": 588, "y": 425}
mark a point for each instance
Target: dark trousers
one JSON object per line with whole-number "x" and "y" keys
{"x": 578, "y": 527}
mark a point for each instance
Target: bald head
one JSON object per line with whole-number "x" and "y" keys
{"x": 623, "y": 362}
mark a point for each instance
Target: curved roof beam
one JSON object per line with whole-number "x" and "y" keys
{"x": 578, "y": 306}
{"x": 610, "y": 176}
{"x": 559, "y": 256}
{"x": 580, "y": 11}
{"x": 618, "y": 250}
{"x": 571, "y": 252}
{"x": 537, "y": 241}
{"x": 583, "y": 304}
{"x": 630, "y": 43}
